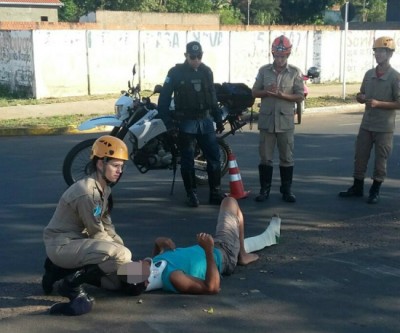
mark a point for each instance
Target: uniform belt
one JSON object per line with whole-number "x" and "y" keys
{"x": 200, "y": 115}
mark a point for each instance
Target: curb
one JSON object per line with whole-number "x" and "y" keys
{"x": 72, "y": 129}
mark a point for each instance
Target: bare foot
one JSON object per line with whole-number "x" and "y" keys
{"x": 247, "y": 258}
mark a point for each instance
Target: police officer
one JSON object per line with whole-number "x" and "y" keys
{"x": 380, "y": 92}
{"x": 192, "y": 86}
{"x": 280, "y": 86}
{"x": 81, "y": 242}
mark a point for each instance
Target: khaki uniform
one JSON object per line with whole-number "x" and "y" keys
{"x": 81, "y": 231}
{"x": 377, "y": 125}
{"x": 276, "y": 117}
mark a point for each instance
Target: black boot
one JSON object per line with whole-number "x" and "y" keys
{"x": 374, "y": 192}
{"x": 71, "y": 286}
{"x": 356, "y": 190}
{"x": 189, "y": 181}
{"x": 265, "y": 175}
{"x": 214, "y": 181}
{"x": 80, "y": 305}
{"x": 52, "y": 274}
{"x": 79, "y": 301}
{"x": 286, "y": 184}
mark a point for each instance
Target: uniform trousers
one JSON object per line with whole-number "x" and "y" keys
{"x": 109, "y": 256}
{"x": 285, "y": 143}
{"x": 383, "y": 142}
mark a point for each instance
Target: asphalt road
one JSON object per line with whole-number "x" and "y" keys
{"x": 335, "y": 270}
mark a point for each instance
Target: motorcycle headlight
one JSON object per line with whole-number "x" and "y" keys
{"x": 117, "y": 110}
{"x": 122, "y": 107}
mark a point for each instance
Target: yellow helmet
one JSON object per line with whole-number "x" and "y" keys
{"x": 384, "y": 42}
{"x": 108, "y": 146}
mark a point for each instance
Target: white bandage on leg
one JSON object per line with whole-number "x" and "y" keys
{"x": 269, "y": 237}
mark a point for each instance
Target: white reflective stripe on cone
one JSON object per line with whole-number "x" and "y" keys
{"x": 232, "y": 164}
{"x": 235, "y": 178}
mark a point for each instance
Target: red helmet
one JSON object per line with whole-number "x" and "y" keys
{"x": 281, "y": 46}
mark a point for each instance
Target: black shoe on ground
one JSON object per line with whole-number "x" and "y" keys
{"x": 264, "y": 195}
{"x": 351, "y": 192}
{"x": 192, "y": 200}
{"x": 373, "y": 198}
{"x": 216, "y": 197}
{"x": 356, "y": 190}
{"x": 288, "y": 197}
{"x": 80, "y": 305}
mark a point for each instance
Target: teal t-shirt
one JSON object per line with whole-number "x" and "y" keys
{"x": 190, "y": 260}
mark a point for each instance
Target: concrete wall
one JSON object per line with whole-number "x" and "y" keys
{"x": 28, "y": 14}
{"x": 140, "y": 18}
{"x": 56, "y": 63}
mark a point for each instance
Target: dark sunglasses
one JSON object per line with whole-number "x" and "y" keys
{"x": 192, "y": 56}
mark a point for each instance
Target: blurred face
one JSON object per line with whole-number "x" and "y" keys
{"x": 194, "y": 60}
{"x": 112, "y": 169}
{"x": 382, "y": 55}
{"x": 280, "y": 60}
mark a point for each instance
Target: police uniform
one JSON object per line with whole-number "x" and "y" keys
{"x": 377, "y": 125}
{"x": 81, "y": 232}
{"x": 195, "y": 109}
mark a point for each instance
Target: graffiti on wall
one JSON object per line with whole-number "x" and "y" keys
{"x": 233, "y": 55}
{"x": 211, "y": 38}
{"x": 16, "y": 62}
{"x": 358, "y": 46}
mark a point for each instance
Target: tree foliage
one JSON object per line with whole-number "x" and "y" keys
{"x": 370, "y": 10}
{"x": 261, "y": 12}
{"x": 303, "y": 11}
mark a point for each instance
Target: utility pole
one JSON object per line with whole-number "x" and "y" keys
{"x": 248, "y": 11}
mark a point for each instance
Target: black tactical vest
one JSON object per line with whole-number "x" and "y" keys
{"x": 192, "y": 95}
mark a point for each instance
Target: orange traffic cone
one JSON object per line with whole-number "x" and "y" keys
{"x": 235, "y": 180}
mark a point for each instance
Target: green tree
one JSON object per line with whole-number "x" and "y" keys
{"x": 68, "y": 12}
{"x": 259, "y": 11}
{"x": 303, "y": 11}
{"x": 370, "y": 10}
{"x": 230, "y": 16}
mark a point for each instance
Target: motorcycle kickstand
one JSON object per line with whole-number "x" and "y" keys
{"x": 173, "y": 177}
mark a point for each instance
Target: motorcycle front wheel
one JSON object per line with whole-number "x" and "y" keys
{"x": 77, "y": 162}
{"x": 200, "y": 163}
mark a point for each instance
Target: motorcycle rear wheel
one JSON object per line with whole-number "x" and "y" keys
{"x": 76, "y": 163}
{"x": 200, "y": 163}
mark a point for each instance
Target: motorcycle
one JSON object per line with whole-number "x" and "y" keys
{"x": 152, "y": 146}
{"x": 312, "y": 73}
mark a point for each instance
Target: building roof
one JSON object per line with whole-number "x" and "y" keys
{"x": 32, "y": 2}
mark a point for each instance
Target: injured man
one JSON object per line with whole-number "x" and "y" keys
{"x": 197, "y": 269}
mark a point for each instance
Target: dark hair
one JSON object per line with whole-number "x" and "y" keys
{"x": 133, "y": 289}
{"x": 92, "y": 165}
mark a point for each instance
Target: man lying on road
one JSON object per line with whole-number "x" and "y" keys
{"x": 197, "y": 269}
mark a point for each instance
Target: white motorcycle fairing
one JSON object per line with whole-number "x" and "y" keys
{"x": 147, "y": 128}
{"x": 109, "y": 120}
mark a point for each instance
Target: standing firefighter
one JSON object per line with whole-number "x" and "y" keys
{"x": 192, "y": 86}
{"x": 280, "y": 86}
{"x": 380, "y": 92}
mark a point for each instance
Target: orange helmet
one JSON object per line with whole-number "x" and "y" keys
{"x": 108, "y": 146}
{"x": 281, "y": 46}
{"x": 384, "y": 42}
